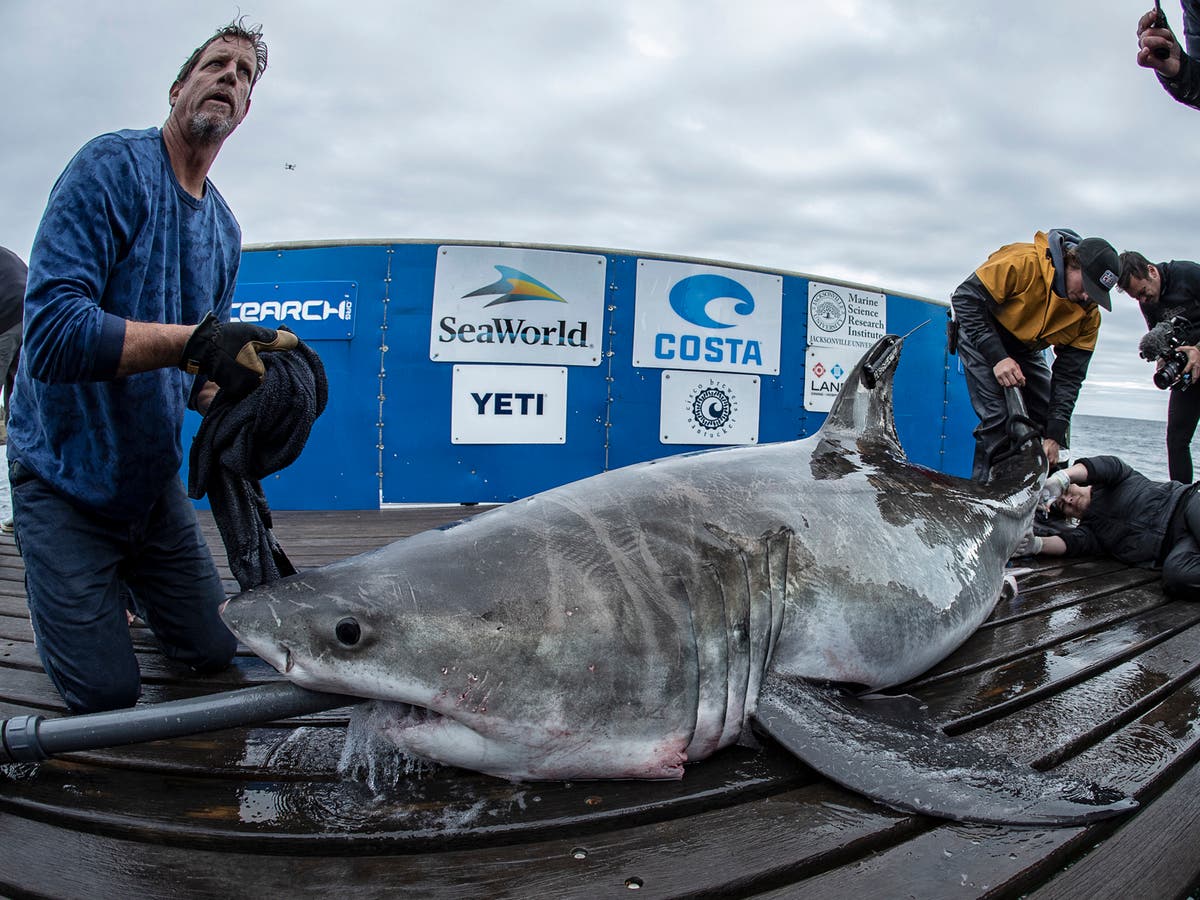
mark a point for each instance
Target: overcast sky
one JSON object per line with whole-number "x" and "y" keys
{"x": 894, "y": 143}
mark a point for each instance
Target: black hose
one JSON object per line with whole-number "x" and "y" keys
{"x": 34, "y": 738}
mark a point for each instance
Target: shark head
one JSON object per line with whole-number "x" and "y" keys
{"x": 506, "y": 685}
{"x": 343, "y": 627}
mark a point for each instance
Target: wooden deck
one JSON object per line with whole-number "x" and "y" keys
{"x": 1088, "y": 669}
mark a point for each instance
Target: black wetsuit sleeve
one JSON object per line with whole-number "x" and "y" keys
{"x": 1069, "y": 369}
{"x": 1105, "y": 469}
{"x": 973, "y": 303}
{"x": 1081, "y": 541}
{"x": 1185, "y": 87}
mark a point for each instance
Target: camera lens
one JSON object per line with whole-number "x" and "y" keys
{"x": 1169, "y": 373}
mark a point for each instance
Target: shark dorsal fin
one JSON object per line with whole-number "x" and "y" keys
{"x": 863, "y": 412}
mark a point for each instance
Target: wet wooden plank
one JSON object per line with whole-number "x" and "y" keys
{"x": 25, "y": 682}
{"x": 1088, "y": 657}
{"x": 1148, "y": 751}
{"x": 1164, "y": 839}
{"x": 13, "y": 628}
{"x": 35, "y": 689}
{"x": 14, "y": 606}
{"x": 721, "y": 852}
{"x": 948, "y": 861}
{"x": 28, "y": 688}
{"x": 988, "y": 694}
{"x": 433, "y": 810}
{"x": 1036, "y": 599}
{"x": 1152, "y": 855}
{"x": 1092, "y": 613}
{"x": 247, "y": 669}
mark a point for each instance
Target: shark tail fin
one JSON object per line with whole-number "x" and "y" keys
{"x": 885, "y": 749}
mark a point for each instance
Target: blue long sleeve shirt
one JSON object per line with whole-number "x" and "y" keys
{"x": 120, "y": 240}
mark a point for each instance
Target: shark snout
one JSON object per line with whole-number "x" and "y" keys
{"x": 258, "y": 639}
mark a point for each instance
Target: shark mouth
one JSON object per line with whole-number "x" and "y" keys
{"x": 375, "y": 753}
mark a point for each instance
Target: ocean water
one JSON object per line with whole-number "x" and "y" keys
{"x": 1140, "y": 442}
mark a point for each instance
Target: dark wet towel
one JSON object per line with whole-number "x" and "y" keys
{"x": 240, "y": 442}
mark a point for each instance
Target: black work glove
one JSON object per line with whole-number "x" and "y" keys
{"x": 227, "y": 353}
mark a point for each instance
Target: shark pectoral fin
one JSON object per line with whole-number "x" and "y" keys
{"x": 875, "y": 747}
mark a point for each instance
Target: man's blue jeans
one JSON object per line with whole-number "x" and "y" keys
{"x": 78, "y": 565}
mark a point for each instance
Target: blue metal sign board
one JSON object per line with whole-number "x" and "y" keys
{"x": 388, "y": 434}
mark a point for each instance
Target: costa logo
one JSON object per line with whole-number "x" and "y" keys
{"x": 691, "y": 296}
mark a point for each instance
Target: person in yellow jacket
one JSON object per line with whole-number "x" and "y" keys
{"x": 1025, "y": 298}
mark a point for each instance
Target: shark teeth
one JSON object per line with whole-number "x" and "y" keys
{"x": 370, "y": 757}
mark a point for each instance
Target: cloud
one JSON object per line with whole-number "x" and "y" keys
{"x": 887, "y": 143}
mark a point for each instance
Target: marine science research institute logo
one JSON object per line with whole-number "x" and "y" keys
{"x": 827, "y": 310}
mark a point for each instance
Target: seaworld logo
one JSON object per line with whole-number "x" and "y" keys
{"x": 691, "y": 298}
{"x": 514, "y": 286}
{"x": 298, "y": 310}
{"x": 510, "y": 331}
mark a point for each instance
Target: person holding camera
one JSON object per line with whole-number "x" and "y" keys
{"x": 1024, "y": 298}
{"x": 1178, "y": 72}
{"x": 1125, "y": 515}
{"x": 1168, "y": 295}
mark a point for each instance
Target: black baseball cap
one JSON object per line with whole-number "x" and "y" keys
{"x": 1101, "y": 266}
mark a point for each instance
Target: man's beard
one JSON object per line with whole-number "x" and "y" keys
{"x": 207, "y": 128}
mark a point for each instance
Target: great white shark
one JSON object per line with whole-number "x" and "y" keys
{"x": 626, "y": 624}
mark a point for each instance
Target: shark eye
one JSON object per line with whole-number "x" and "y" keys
{"x": 348, "y": 632}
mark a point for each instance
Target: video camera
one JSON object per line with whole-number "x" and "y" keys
{"x": 1163, "y": 342}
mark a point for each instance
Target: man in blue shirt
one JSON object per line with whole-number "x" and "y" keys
{"x": 126, "y": 323}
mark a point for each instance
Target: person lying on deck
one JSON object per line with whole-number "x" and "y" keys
{"x": 1125, "y": 515}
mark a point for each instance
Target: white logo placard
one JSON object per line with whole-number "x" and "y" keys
{"x": 502, "y": 304}
{"x": 707, "y": 318}
{"x": 509, "y": 405}
{"x": 839, "y": 316}
{"x": 701, "y": 408}
{"x": 825, "y": 371}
